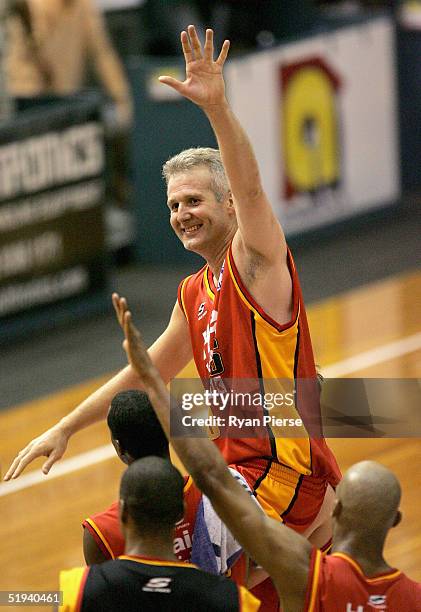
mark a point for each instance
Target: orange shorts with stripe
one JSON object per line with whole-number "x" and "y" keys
{"x": 283, "y": 493}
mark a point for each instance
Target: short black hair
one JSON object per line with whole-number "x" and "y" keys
{"x": 132, "y": 421}
{"x": 152, "y": 490}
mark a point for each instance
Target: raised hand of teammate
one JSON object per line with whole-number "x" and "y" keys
{"x": 136, "y": 351}
{"x": 120, "y": 307}
{"x": 204, "y": 84}
{"x": 51, "y": 444}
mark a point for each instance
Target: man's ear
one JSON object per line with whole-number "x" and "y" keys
{"x": 122, "y": 511}
{"x": 398, "y": 519}
{"x": 229, "y": 203}
{"x": 122, "y": 454}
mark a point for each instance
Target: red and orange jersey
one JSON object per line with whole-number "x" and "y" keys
{"x": 105, "y": 530}
{"x": 337, "y": 583}
{"x": 104, "y": 527}
{"x": 233, "y": 338}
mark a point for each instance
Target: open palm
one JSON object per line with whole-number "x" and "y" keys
{"x": 204, "y": 83}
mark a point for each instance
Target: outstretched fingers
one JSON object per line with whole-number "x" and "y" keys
{"x": 208, "y": 48}
{"x": 127, "y": 318}
{"x": 194, "y": 42}
{"x": 52, "y": 458}
{"x": 20, "y": 462}
{"x": 223, "y": 54}
{"x": 12, "y": 469}
{"x": 172, "y": 82}
{"x": 186, "y": 46}
{"x": 134, "y": 346}
{"x": 134, "y": 339}
{"x": 120, "y": 306}
{"x": 129, "y": 343}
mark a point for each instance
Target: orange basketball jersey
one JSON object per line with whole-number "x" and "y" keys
{"x": 338, "y": 584}
{"x": 233, "y": 338}
{"x": 105, "y": 529}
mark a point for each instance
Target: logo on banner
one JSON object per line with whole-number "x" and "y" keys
{"x": 310, "y": 127}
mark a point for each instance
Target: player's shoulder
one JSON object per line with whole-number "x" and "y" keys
{"x": 194, "y": 277}
{"x": 190, "y": 487}
{"x": 412, "y": 587}
{"x": 109, "y": 513}
{"x": 190, "y": 287}
{"x": 221, "y": 593}
{"x": 192, "y": 578}
{"x": 183, "y": 580}
{"x": 215, "y": 589}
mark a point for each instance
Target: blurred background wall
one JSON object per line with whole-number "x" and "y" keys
{"x": 329, "y": 93}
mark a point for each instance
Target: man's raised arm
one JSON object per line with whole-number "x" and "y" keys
{"x": 260, "y": 242}
{"x": 170, "y": 352}
{"x": 280, "y": 551}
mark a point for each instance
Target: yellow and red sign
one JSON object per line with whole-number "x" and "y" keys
{"x": 310, "y": 133}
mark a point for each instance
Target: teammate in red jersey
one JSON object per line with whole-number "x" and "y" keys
{"x": 148, "y": 576}
{"x": 136, "y": 433}
{"x": 355, "y": 577}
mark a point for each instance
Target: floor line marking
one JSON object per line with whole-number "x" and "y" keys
{"x": 367, "y": 359}
{"x": 61, "y": 468}
{"x": 339, "y": 369}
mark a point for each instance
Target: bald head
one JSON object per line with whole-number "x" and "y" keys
{"x": 368, "y": 499}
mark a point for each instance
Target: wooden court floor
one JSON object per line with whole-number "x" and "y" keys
{"x": 373, "y": 332}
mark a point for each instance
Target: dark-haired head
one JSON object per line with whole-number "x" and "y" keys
{"x": 135, "y": 429}
{"x": 151, "y": 496}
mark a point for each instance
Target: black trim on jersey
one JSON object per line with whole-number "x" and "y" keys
{"x": 256, "y": 352}
{"x": 293, "y": 500}
{"x": 263, "y": 476}
{"x": 211, "y": 283}
{"x": 252, "y": 302}
{"x": 261, "y": 385}
{"x": 296, "y": 358}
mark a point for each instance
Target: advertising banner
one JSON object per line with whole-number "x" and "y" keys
{"x": 321, "y": 114}
{"x": 51, "y": 208}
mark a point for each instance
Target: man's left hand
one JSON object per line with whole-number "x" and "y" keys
{"x": 204, "y": 84}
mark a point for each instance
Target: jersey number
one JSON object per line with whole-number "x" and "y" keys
{"x": 216, "y": 364}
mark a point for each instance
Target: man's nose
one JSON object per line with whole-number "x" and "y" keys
{"x": 183, "y": 212}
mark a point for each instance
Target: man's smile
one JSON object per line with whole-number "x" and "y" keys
{"x": 192, "y": 229}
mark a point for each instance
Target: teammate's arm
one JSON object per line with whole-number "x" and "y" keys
{"x": 260, "y": 241}
{"x": 280, "y": 551}
{"x": 91, "y": 551}
{"x": 170, "y": 353}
